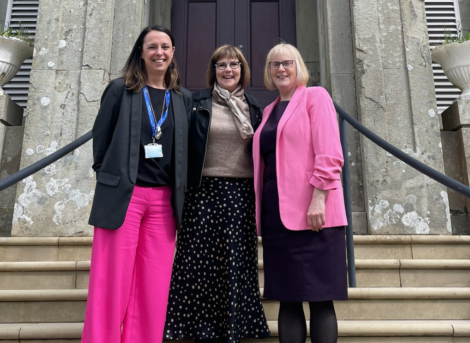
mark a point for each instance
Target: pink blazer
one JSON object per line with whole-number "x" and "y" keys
{"x": 308, "y": 155}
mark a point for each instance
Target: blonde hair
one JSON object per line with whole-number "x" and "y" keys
{"x": 291, "y": 51}
{"x": 228, "y": 51}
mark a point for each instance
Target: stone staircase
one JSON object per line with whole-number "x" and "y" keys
{"x": 410, "y": 289}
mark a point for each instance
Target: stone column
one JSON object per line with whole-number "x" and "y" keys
{"x": 464, "y": 6}
{"x": 79, "y": 46}
{"x": 338, "y": 76}
{"x": 395, "y": 98}
{"x": 11, "y": 138}
{"x": 456, "y": 152}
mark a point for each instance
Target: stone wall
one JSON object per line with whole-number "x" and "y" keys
{"x": 11, "y": 138}
{"x": 456, "y": 145}
{"x": 338, "y": 76}
{"x": 307, "y": 36}
{"x": 395, "y": 97}
{"x": 465, "y": 14}
{"x": 79, "y": 47}
{"x": 3, "y": 13}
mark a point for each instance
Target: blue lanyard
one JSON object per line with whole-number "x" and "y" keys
{"x": 150, "y": 110}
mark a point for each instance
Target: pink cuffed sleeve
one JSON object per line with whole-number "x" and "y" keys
{"x": 325, "y": 141}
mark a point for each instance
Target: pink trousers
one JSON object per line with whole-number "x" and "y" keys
{"x": 130, "y": 272}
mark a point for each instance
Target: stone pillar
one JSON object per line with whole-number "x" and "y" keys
{"x": 396, "y": 100}
{"x": 338, "y": 76}
{"x": 11, "y": 139}
{"x": 160, "y": 13}
{"x": 464, "y": 6}
{"x": 307, "y": 36}
{"x": 79, "y": 46}
{"x": 456, "y": 152}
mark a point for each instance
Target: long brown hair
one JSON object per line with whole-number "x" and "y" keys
{"x": 134, "y": 72}
{"x": 228, "y": 51}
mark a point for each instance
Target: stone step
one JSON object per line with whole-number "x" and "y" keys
{"x": 68, "y": 305}
{"x": 44, "y": 275}
{"x": 370, "y": 273}
{"x": 354, "y": 331}
{"x": 15, "y": 249}
{"x": 406, "y": 273}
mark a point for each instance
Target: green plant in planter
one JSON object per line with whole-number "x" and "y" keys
{"x": 21, "y": 33}
{"x": 460, "y": 37}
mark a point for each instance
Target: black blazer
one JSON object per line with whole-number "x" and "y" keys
{"x": 116, "y": 138}
{"x": 200, "y": 126}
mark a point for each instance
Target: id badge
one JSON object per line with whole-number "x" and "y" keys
{"x": 153, "y": 150}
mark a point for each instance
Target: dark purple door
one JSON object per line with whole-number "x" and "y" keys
{"x": 201, "y": 26}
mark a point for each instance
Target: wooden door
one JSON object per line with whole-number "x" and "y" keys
{"x": 200, "y": 26}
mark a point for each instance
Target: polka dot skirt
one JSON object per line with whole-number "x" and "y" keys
{"x": 214, "y": 288}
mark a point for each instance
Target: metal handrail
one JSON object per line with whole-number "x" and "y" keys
{"x": 42, "y": 163}
{"x": 421, "y": 167}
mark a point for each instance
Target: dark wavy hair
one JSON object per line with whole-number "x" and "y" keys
{"x": 134, "y": 72}
{"x": 228, "y": 51}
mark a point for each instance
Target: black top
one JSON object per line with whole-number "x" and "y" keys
{"x": 154, "y": 172}
{"x": 269, "y": 133}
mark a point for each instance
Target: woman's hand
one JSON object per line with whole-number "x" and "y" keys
{"x": 316, "y": 210}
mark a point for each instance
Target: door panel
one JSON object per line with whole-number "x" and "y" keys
{"x": 199, "y": 26}
{"x": 202, "y": 41}
{"x": 264, "y": 35}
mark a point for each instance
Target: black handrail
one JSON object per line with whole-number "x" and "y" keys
{"x": 37, "y": 166}
{"x": 421, "y": 167}
{"x": 347, "y": 203}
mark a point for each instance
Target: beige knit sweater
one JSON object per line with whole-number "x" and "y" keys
{"x": 227, "y": 152}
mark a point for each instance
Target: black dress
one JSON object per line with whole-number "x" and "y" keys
{"x": 298, "y": 265}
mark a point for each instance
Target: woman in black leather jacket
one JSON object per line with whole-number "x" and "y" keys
{"x": 214, "y": 291}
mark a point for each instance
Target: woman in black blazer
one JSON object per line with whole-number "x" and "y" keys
{"x": 140, "y": 158}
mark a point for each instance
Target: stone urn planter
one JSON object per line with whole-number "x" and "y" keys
{"x": 454, "y": 59}
{"x": 13, "y": 52}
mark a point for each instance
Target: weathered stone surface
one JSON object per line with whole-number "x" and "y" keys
{"x": 99, "y": 34}
{"x": 340, "y": 42}
{"x": 464, "y": 138}
{"x": 3, "y": 12}
{"x": 456, "y": 115}
{"x": 61, "y": 194}
{"x": 390, "y": 31}
{"x": 464, "y": 6}
{"x": 71, "y": 68}
{"x": 128, "y": 22}
{"x": 5, "y": 221}
{"x": 343, "y": 92}
{"x": 10, "y": 155}
{"x": 456, "y": 154}
{"x": 307, "y": 43}
{"x": 396, "y": 100}
{"x": 10, "y": 161}
{"x": 337, "y": 75}
{"x": 360, "y": 224}
{"x": 10, "y": 113}
{"x": 451, "y": 147}
{"x": 306, "y": 27}
{"x": 160, "y": 13}
{"x": 93, "y": 83}
{"x": 454, "y": 166}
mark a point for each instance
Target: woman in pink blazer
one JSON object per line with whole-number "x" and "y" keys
{"x": 299, "y": 200}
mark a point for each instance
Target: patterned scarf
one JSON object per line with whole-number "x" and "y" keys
{"x": 238, "y": 106}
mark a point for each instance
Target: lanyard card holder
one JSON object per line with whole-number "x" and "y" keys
{"x": 153, "y": 150}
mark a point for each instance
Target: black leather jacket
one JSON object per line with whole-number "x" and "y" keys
{"x": 199, "y": 131}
